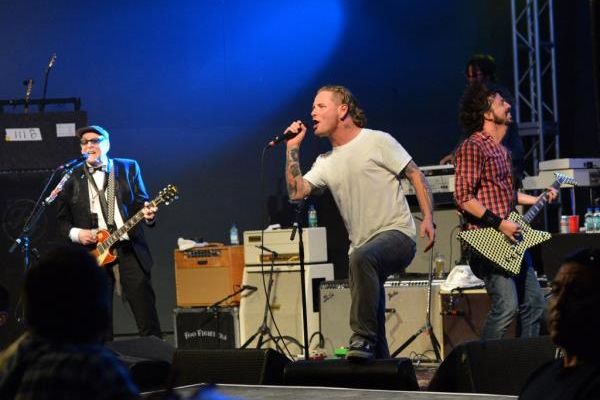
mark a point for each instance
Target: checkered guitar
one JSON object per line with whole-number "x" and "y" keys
{"x": 496, "y": 247}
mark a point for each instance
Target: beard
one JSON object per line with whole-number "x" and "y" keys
{"x": 503, "y": 120}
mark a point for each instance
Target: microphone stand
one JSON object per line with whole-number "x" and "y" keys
{"x": 297, "y": 227}
{"x": 213, "y": 309}
{"x": 23, "y": 241}
{"x": 427, "y": 325}
{"x": 50, "y": 65}
{"x": 263, "y": 329}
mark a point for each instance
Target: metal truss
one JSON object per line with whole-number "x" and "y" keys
{"x": 534, "y": 58}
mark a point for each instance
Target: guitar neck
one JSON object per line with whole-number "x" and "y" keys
{"x": 131, "y": 222}
{"x": 539, "y": 205}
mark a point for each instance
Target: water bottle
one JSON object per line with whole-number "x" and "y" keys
{"x": 439, "y": 263}
{"x": 312, "y": 216}
{"x": 589, "y": 221}
{"x": 233, "y": 235}
{"x": 596, "y": 220}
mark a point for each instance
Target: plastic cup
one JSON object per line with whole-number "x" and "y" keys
{"x": 573, "y": 223}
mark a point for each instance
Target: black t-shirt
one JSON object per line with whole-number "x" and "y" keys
{"x": 553, "y": 381}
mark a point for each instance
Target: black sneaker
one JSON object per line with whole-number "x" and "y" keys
{"x": 360, "y": 351}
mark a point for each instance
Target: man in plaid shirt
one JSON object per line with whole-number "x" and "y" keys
{"x": 485, "y": 195}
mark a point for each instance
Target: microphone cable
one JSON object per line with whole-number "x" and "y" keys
{"x": 262, "y": 260}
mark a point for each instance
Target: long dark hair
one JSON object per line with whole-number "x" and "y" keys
{"x": 475, "y": 102}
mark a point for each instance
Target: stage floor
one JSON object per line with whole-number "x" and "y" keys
{"x": 324, "y": 393}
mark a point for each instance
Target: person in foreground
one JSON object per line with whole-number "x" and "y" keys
{"x": 574, "y": 326}
{"x": 66, "y": 298}
{"x": 485, "y": 196}
{"x": 363, "y": 172}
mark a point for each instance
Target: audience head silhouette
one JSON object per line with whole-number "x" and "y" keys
{"x": 66, "y": 297}
{"x": 574, "y": 305}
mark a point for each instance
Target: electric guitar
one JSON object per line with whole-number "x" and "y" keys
{"x": 103, "y": 253}
{"x": 496, "y": 247}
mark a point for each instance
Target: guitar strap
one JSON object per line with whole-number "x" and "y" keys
{"x": 106, "y": 196}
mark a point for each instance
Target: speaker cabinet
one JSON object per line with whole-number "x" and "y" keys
{"x": 238, "y": 366}
{"x": 20, "y": 190}
{"x": 206, "y": 275}
{"x": 285, "y": 301}
{"x": 148, "y": 359}
{"x": 206, "y": 328}
{"x": 463, "y": 316}
{"x": 492, "y": 366}
{"x": 391, "y": 374}
{"x": 406, "y": 307}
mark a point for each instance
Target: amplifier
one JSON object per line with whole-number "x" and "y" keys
{"x": 285, "y": 302}
{"x": 406, "y": 306}
{"x": 315, "y": 246}
{"x": 206, "y": 328}
{"x": 206, "y": 275}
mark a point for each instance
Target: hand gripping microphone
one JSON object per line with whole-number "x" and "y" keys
{"x": 278, "y": 139}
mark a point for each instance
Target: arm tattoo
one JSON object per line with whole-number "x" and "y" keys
{"x": 292, "y": 171}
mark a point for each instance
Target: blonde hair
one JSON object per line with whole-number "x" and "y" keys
{"x": 346, "y": 97}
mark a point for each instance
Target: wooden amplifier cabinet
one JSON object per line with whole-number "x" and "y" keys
{"x": 206, "y": 275}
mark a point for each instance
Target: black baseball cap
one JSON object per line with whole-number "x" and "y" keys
{"x": 92, "y": 128}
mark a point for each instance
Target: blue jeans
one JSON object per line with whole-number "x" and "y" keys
{"x": 386, "y": 253}
{"x": 510, "y": 296}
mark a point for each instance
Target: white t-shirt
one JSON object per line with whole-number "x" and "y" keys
{"x": 362, "y": 176}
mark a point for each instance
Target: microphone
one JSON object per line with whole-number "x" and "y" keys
{"x": 28, "y": 83}
{"x": 268, "y": 250}
{"x": 248, "y": 287}
{"x": 74, "y": 162}
{"x": 278, "y": 139}
{"x": 52, "y": 60}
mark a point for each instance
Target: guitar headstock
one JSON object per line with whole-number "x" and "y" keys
{"x": 564, "y": 180}
{"x": 169, "y": 194}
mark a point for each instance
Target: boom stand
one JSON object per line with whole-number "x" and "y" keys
{"x": 264, "y": 330}
{"x": 427, "y": 325}
{"x": 297, "y": 227}
{"x": 24, "y": 239}
{"x": 213, "y": 311}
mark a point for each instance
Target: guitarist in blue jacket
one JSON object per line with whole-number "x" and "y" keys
{"x": 485, "y": 195}
{"x": 103, "y": 194}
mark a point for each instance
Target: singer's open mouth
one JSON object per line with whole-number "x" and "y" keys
{"x": 315, "y": 124}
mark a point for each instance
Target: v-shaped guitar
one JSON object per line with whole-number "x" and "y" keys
{"x": 496, "y": 247}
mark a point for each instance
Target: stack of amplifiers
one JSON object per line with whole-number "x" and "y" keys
{"x": 206, "y": 328}
{"x": 285, "y": 301}
{"x": 406, "y": 307}
{"x": 206, "y": 275}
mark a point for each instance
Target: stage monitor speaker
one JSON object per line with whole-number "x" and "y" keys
{"x": 206, "y": 275}
{"x": 463, "y": 316}
{"x": 406, "y": 307}
{"x": 148, "y": 359}
{"x": 234, "y": 366}
{"x": 446, "y": 243}
{"x": 285, "y": 302}
{"x": 493, "y": 366}
{"x": 390, "y": 374}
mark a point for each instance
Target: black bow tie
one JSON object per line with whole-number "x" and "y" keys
{"x": 93, "y": 169}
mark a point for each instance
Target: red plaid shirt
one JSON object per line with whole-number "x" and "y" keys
{"x": 483, "y": 171}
